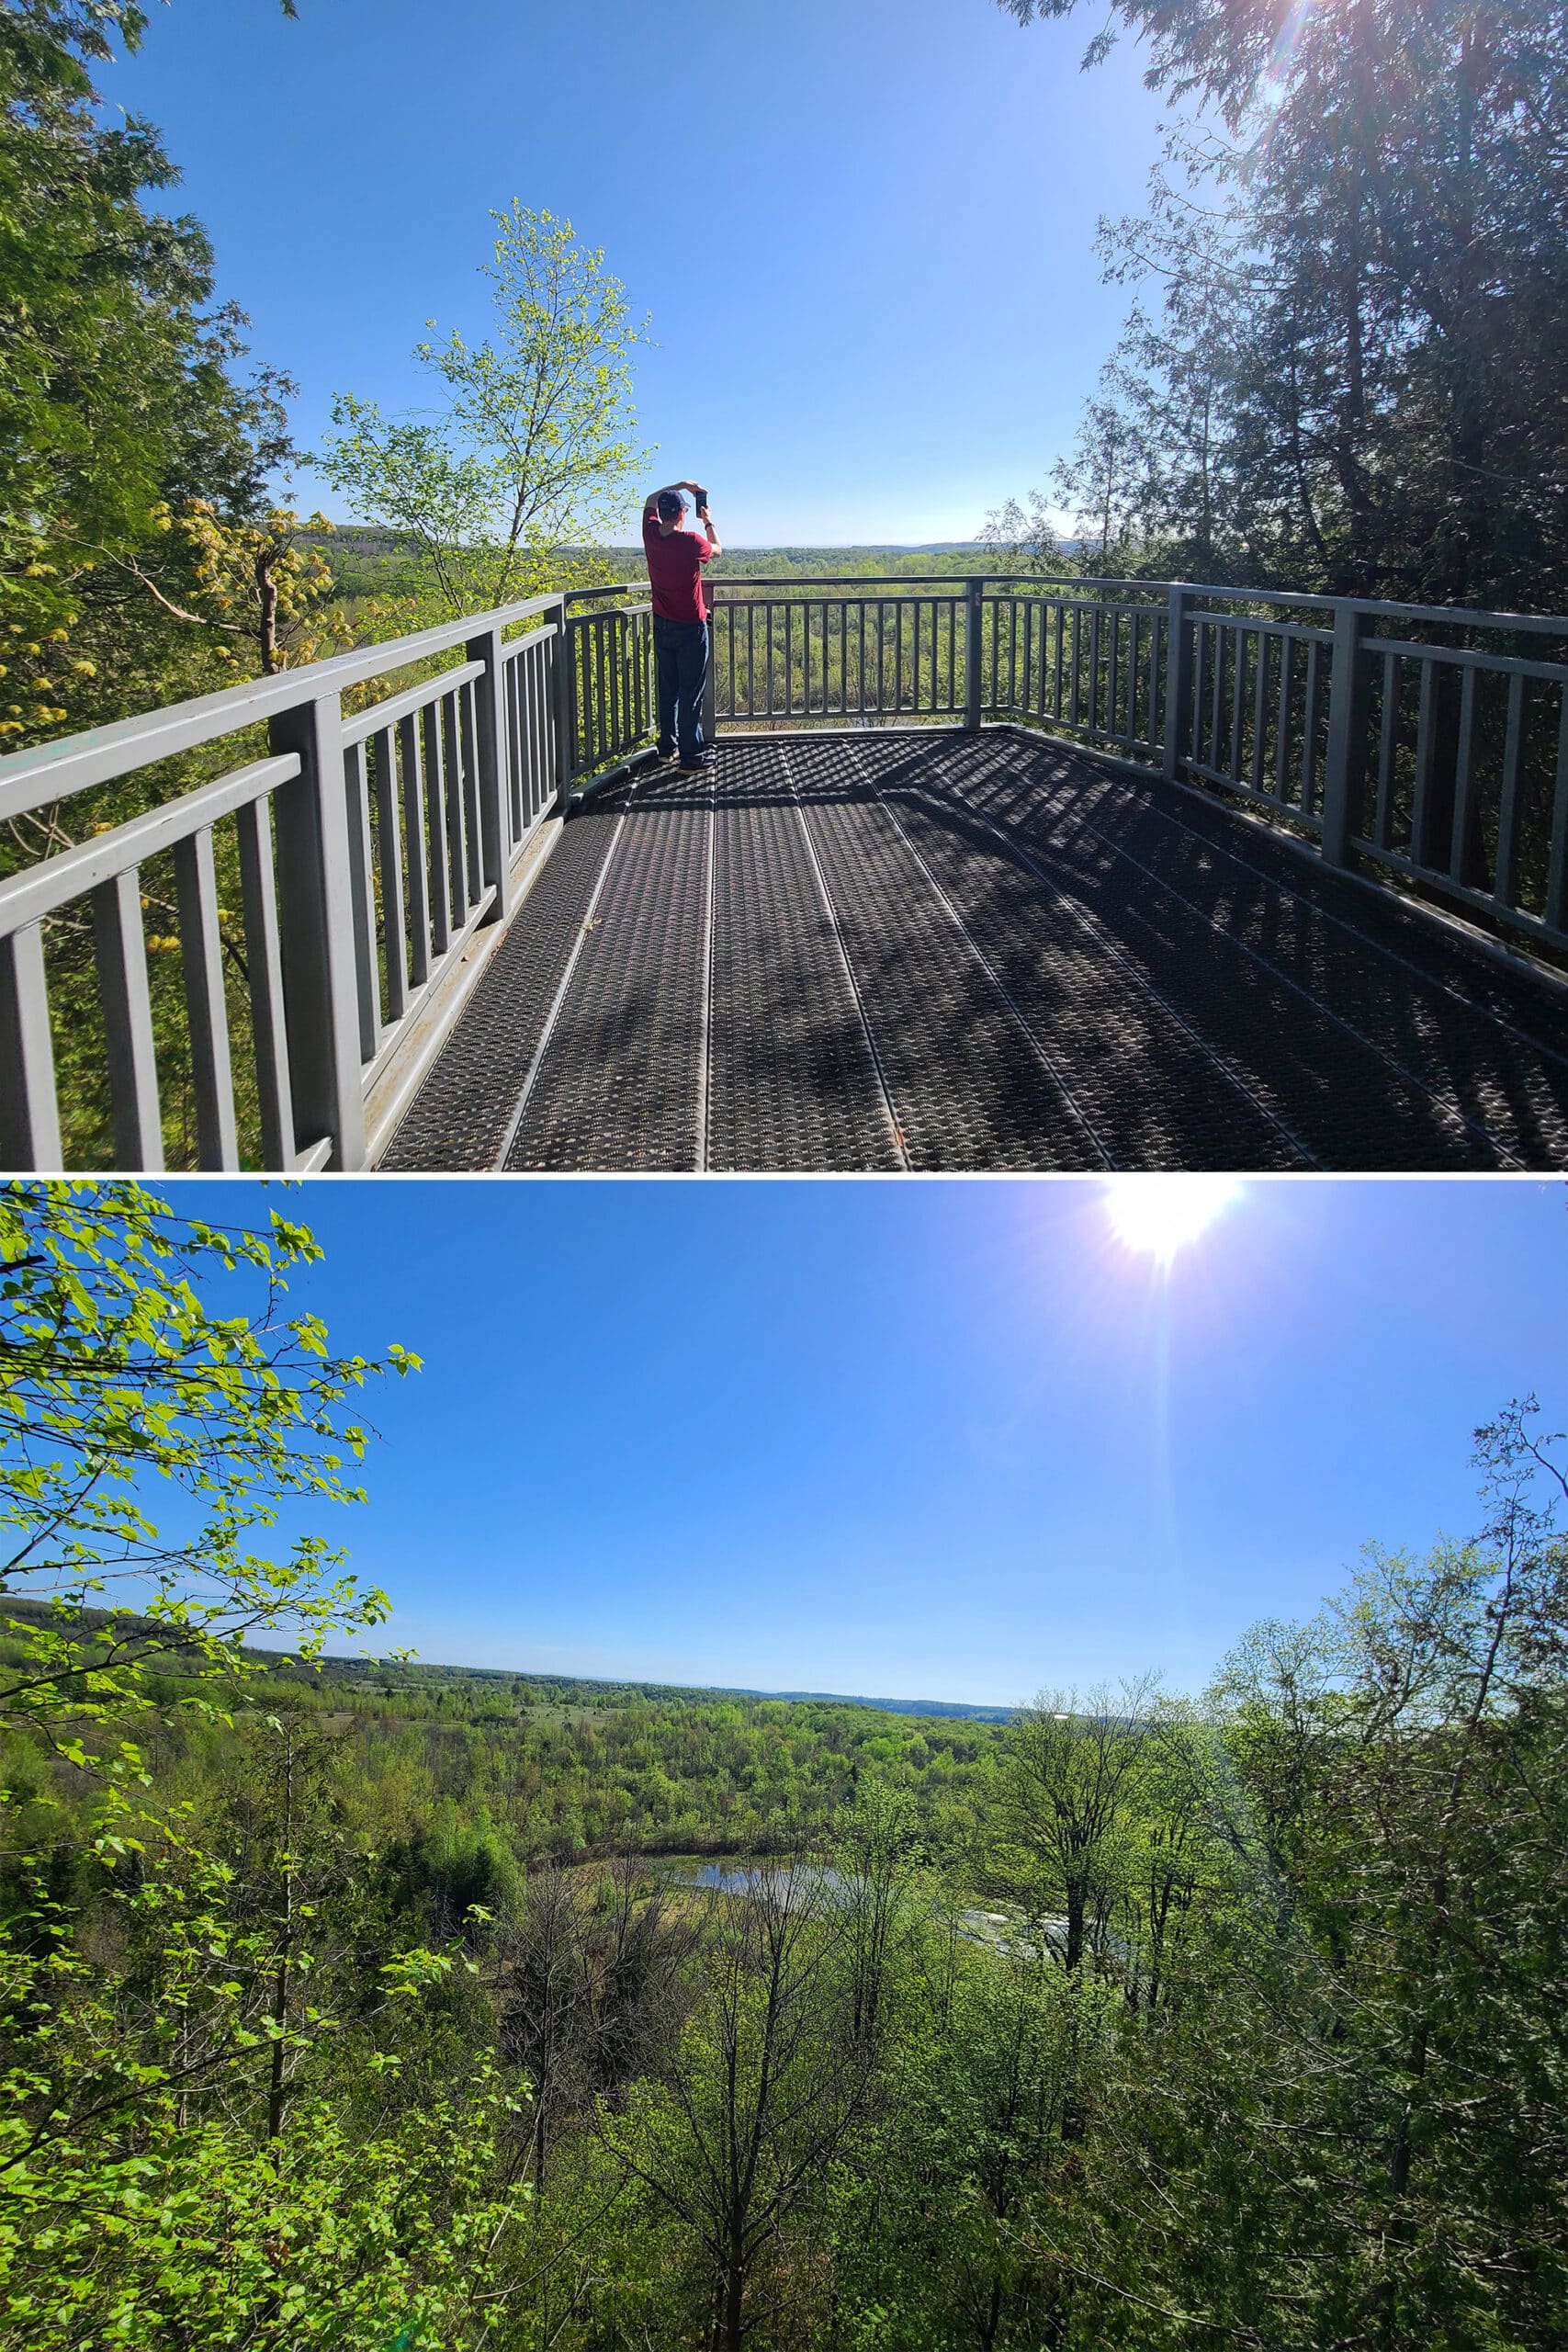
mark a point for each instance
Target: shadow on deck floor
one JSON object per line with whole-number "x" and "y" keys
{"x": 939, "y": 952}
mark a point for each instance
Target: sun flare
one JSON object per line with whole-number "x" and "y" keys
{"x": 1160, "y": 1214}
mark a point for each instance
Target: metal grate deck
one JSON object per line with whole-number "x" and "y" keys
{"x": 913, "y": 949}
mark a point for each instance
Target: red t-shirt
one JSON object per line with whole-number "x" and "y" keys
{"x": 675, "y": 570}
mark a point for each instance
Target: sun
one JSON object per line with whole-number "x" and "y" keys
{"x": 1160, "y": 1214}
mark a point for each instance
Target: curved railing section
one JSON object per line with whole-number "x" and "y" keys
{"x": 1424, "y": 743}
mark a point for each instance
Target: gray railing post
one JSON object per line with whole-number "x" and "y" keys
{"x": 1177, "y": 681}
{"x": 710, "y": 688}
{"x": 1344, "y": 767}
{"x": 494, "y": 799}
{"x": 973, "y": 615}
{"x": 562, "y": 714}
{"x": 30, "y": 1115}
{"x": 315, "y": 916}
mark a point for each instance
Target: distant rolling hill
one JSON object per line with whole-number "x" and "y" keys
{"x": 559, "y": 1690}
{"x": 586, "y": 1691}
{"x": 888, "y": 1706}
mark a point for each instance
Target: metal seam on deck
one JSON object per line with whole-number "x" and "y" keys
{"x": 978, "y": 1096}
{"x": 705, "y": 1066}
{"x": 1108, "y": 946}
{"x": 452, "y": 1123}
{"x": 1047, "y": 1063}
{"x": 617, "y": 1089}
{"x": 1062, "y": 978}
{"x": 1449, "y": 1110}
{"x": 893, "y": 1123}
{"x": 560, "y": 998}
{"x": 794, "y": 1080}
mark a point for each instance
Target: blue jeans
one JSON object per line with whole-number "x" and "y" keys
{"x": 681, "y": 671}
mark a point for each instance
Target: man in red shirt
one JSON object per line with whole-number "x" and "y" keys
{"x": 675, "y": 560}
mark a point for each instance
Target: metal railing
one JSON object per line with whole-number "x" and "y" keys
{"x": 1425, "y": 743}
{"x": 610, "y": 707}
{"x": 328, "y": 892}
{"x": 1086, "y": 659}
{"x": 877, "y": 650}
{"x": 325, "y": 903}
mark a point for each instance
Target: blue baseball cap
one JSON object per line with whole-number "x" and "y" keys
{"x": 671, "y": 503}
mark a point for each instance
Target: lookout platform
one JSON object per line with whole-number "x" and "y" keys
{"x": 925, "y": 950}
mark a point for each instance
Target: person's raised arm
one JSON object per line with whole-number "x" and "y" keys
{"x": 650, "y": 506}
{"x": 706, "y": 519}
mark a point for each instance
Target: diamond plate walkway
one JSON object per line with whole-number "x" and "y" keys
{"x": 930, "y": 951}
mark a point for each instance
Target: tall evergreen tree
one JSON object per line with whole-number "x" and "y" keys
{"x": 1379, "y": 263}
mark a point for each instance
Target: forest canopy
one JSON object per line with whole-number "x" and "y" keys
{"x": 366, "y": 2003}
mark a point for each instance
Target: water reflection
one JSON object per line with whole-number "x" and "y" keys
{"x": 1003, "y": 1931}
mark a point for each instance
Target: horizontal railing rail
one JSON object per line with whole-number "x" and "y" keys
{"x": 257, "y": 968}
{"x": 276, "y": 902}
{"x": 810, "y": 583}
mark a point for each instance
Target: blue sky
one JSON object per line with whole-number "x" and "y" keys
{"x": 865, "y": 227}
{"x": 931, "y": 1440}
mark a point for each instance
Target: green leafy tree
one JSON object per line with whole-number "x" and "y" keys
{"x": 269, "y": 587}
{"x": 1069, "y": 1792}
{"x": 1367, "y": 270}
{"x": 879, "y": 1852}
{"x": 126, "y": 1371}
{"x": 1342, "y": 2125}
{"x": 944, "y": 2235}
{"x": 179, "y": 2161}
{"x": 118, "y": 398}
{"x": 531, "y": 443}
{"x": 1021, "y": 534}
{"x": 761, "y": 2096}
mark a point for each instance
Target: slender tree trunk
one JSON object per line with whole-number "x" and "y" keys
{"x": 1466, "y": 337}
{"x": 1356, "y": 576}
{"x": 734, "y": 2299}
{"x": 278, "y": 2086}
{"x": 1076, "y": 1909}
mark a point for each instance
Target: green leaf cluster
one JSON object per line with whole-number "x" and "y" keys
{"x": 531, "y": 447}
